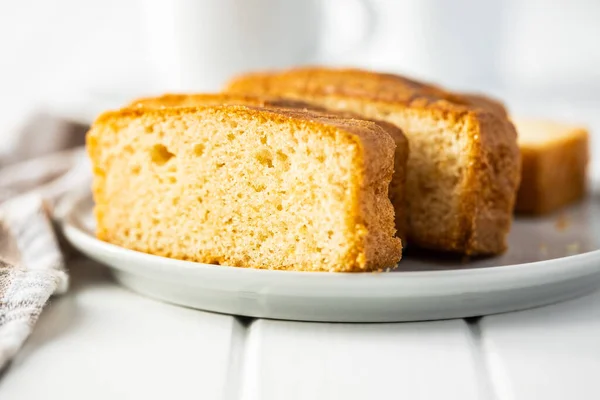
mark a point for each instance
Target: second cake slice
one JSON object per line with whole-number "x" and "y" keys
{"x": 463, "y": 167}
{"x": 246, "y": 187}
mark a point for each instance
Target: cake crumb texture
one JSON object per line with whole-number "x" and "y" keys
{"x": 397, "y": 189}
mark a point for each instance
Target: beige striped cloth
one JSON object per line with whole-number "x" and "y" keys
{"x": 33, "y": 194}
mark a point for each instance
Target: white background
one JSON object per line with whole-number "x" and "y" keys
{"x": 64, "y": 48}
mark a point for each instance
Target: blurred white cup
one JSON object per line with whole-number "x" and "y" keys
{"x": 197, "y": 45}
{"x": 551, "y": 48}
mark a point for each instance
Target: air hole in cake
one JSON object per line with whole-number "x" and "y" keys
{"x": 259, "y": 188}
{"x": 199, "y": 199}
{"x": 220, "y": 165}
{"x": 281, "y": 156}
{"x": 321, "y": 159}
{"x": 263, "y": 139}
{"x": 230, "y": 136}
{"x": 149, "y": 129}
{"x": 330, "y": 234}
{"x": 99, "y": 171}
{"x": 199, "y": 149}
{"x": 135, "y": 169}
{"x": 160, "y": 154}
{"x": 284, "y": 160}
{"x": 172, "y": 179}
{"x": 175, "y": 201}
{"x": 279, "y": 207}
{"x": 265, "y": 158}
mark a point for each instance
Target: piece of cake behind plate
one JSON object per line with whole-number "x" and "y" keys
{"x": 244, "y": 186}
{"x": 555, "y": 158}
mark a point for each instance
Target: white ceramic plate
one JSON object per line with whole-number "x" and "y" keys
{"x": 540, "y": 267}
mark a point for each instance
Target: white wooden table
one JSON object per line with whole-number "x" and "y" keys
{"x": 101, "y": 341}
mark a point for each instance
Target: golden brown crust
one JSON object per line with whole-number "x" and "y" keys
{"x": 215, "y": 99}
{"x": 397, "y": 190}
{"x": 491, "y": 183}
{"x": 374, "y": 245}
{"x": 490, "y": 178}
{"x": 361, "y": 84}
{"x": 486, "y": 103}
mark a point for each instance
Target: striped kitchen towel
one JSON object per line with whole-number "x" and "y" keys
{"x": 32, "y": 267}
